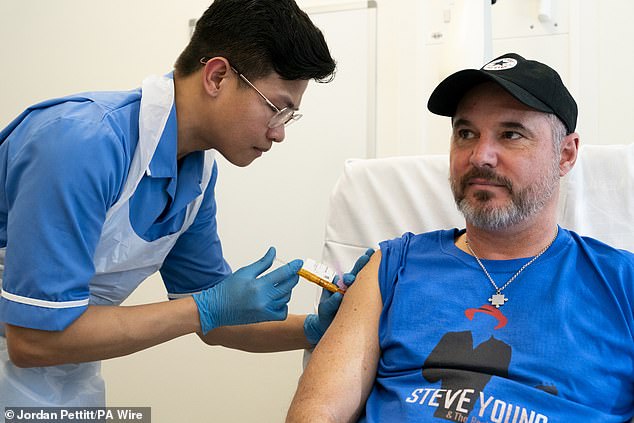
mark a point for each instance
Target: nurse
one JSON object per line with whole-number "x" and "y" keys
{"x": 100, "y": 190}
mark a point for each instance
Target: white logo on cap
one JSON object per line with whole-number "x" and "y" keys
{"x": 501, "y": 64}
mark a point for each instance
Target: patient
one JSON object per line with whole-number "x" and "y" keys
{"x": 512, "y": 319}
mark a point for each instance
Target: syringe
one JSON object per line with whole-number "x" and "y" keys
{"x": 319, "y": 274}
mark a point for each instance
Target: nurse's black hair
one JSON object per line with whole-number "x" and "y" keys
{"x": 258, "y": 37}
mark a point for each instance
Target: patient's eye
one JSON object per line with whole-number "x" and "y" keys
{"x": 512, "y": 135}
{"x": 465, "y": 134}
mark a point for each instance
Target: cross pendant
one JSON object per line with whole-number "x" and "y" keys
{"x": 498, "y": 300}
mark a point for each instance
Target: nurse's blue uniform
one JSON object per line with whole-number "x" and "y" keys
{"x": 128, "y": 247}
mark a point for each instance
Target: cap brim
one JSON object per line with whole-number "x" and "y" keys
{"x": 445, "y": 98}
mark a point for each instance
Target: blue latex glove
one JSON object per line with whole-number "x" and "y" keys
{"x": 243, "y": 298}
{"x": 315, "y": 325}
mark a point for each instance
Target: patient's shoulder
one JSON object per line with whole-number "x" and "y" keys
{"x": 593, "y": 257}
{"x": 599, "y": 248}
{"x": 425, "y": 239}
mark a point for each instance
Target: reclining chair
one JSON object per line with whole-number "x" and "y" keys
{"x": 379, "y": 199}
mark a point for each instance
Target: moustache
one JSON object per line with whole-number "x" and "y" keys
{"x": 486, "y": 174}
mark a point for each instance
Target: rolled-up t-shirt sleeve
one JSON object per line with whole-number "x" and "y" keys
{"x": 61, "y": 178}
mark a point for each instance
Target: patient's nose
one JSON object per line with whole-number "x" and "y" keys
{"x": 485, "y": 152}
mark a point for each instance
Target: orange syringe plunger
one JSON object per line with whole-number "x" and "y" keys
{"x": 319, "y": 274}
{"x": 319, "y": 281}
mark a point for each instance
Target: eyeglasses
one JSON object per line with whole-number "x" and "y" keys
{"x": 283, "y": 117}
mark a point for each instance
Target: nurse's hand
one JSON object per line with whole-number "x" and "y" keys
{"x": 243, "y": 298}
{"x": 315, "y": 325}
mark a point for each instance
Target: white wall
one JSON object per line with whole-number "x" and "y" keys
{"x": 51, "y": 48}
{"x": 589, "y": 47}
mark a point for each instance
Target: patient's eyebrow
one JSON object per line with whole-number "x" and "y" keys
{"x": 504, "y": 125}
{"x": 513, "y": 125}
{"x": 460, "y": 122}
{"x": 518, "y": 126}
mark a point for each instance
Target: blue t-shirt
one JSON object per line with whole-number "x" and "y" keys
{"x": 560, "y": 350}
{"x": 63, "y": 164}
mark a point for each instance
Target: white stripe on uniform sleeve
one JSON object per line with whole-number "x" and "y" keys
{"x": 42, "y": 303}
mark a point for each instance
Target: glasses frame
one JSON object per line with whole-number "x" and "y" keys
{"x": 282, "y": 117}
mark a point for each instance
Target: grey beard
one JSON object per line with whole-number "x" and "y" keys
{"x": 523, "y": 204}
{"x": 495, "y": 218}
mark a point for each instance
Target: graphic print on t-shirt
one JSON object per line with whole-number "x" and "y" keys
{"x": 464, "y": 362}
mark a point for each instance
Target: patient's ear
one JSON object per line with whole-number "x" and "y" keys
{"x": 569, "y": 150}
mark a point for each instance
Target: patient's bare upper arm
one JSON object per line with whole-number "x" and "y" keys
{"x": 341, "y": 371}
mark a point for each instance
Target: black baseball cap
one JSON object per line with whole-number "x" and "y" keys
{"x": 532, "y": 83}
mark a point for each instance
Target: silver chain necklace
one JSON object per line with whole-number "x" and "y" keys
{"x": 498, "y": 299}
